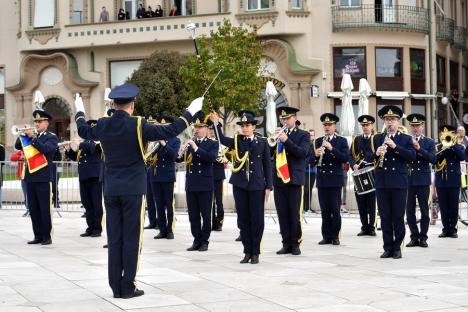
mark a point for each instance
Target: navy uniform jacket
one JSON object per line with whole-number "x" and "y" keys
{"x": 199, "y": 166}
{"x": 420, "y": 169}
{"x": 46, "y": 143}
{"x": 89, "y": 160}
{"x": 123, "y": 146}
{"x": 360, "y": 151}
{"x": 331, "y": 174}
{"x": 259, "y": 159}
{"x": 297, "y": 147}
{"x": 447, "y": 168}
{"x": 394, "y": 173}
{"x": 164, "y": 169}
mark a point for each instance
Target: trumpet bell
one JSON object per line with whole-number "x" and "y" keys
{"x": 16, "y": 130}
{"x": 447, "y": 138}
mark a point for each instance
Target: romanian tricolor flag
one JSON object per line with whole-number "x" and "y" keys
{"x": 282, "y": 163}
{"x": 35, "y": 159}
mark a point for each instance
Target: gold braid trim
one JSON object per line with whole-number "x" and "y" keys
{"x": 236, "y": 158}
{"x": 356, "y": 157}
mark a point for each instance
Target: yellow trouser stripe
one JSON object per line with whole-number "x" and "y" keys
{"x": 142, "y": 222}
{"x": 301, "y": 208}
{"x": 51, "y": 211}
{"x": 103, "y": 219}
{"x": 173, "y": 224}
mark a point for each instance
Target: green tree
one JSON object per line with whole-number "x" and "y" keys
{"x": 237, "y": 51}
{"x": 162, "y": 90}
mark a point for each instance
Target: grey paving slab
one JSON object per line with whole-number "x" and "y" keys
{"x": 71, "y": 274}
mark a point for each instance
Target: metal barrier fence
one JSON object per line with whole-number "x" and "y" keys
{"x": 66, "y": 193}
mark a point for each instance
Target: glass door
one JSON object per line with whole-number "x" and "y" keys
{"x": 389, "y": 15}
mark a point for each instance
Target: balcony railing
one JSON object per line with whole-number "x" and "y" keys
{"x": 396, "y": 17}
{"x": 460, "y": 38}
{"x": 445, "y": 28}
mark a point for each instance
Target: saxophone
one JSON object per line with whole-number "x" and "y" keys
{"x": 381, "y": 160}
{"x": 319, "y": 164}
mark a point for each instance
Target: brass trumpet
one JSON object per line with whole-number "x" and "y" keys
{"x": 273, "y": 138}
{"x": 17, "y": 130}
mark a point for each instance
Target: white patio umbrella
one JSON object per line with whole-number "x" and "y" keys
{"x": 271, "y": 122}
{"x": 347, "y": 114}
{"x": 364, "y": 93}
{"x": 38, "y": 100}
{"x": 107, "y": 101}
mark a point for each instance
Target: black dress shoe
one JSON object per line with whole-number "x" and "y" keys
{"x": 136, "y": 293}
{"x": 284, "y": 250}
{"x": 193, "y": 247}
{"x": 105, "y": 246}
{"x": 46, "y": 242}
{"x": 35, "y": 241}
{"x": 295, "y": 250}
{"x": 239, "y": 238}
{"x": 203, "y": 247}
{"x": 362, "y": 233}
{"x": 217, "y": 228}
{"x": 150, "y": 226}
{"x": 254, "y": 259}
{"x": 170, "y": 235}
{"x": 85, "y": 234}
{"x": 96, "y": 235}
{"x": 83, "y": 215}
{"x": 246, "y": 259}
{"x": 325, "y": 242}
{"x": 397, "y": 254}
{"x": 335, "y": 241}
{"x": 423, "y": 244}
{"x": 386, "y": 254}
{"x": 117, "y": 296}
{"x": 413, "y": 243}
{"x": 372, "y": 233}
{"x": 443, "y": 234}
{"x": 454, "y": 235}
{"x": 160, "y": 235}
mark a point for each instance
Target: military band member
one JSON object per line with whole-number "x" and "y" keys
{"x": 219, "y": 176}
{"x": 419, "y": 181}
{"x": 200, "y": 154}
{"x": 38, "y": 178}
{"x": 331, "y": 152}
{"x": 150, "y": 200}
{"x": 393, "y": 151}
{"x": 123, "y": 138}
{"x": 88, "y": 156}
{"x": 289, "y": 192}
{"x": 448, "y": 179}
{"x": 163, "y": 176}
{"x": 251, "y": 179}
{"x": 361, "y": 157}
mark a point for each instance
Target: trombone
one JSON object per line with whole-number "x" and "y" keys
{"x": 447, "y": 139}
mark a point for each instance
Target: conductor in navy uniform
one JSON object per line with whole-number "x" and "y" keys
{"x": 289, "y": 195}
{"x": 200, "y": 154}
{"x": 163, "y": 177}
{"x": 39, "y": 182}
{"x": 394, "y": 151}
{"x": 419, "y": 181}
{"x": 361, "y": 157}
{"x": 331, "y": 152}
{"x": 251, "y": 179}
{"x": 123, "y": 138}
{"x": 448, "y": 179}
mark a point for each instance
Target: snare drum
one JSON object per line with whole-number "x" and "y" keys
{"x": 364, "y": 180}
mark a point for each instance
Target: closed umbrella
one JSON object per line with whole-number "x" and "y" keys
{"x": 38, "y": 99}
{"x": 364, "y": 93}
{"x": 271, "y": 122}
{"x": 347, "y": 114}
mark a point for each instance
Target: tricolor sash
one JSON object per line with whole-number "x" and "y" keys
{"x": 35, "y": 159}
{"x": 282, "y": 167}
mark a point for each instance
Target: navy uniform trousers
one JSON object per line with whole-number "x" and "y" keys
{"x": 420, "y": 192}
{"x": 199, "y": 209}
{"x": 392, "y": 204}
{"x": 367, "y": 211}
{"x": 91, "y": 198}
{"x": 218, "y": 208}
{"x": 126, "y": 215}
{"x": 39, "y": 199}
{"x": 150, "y": 200}
{"x": 164, "y": 196}
{"x": 448, "y": 202}
{"x": 288, "y": 201}
{"x": 330, "y": 202}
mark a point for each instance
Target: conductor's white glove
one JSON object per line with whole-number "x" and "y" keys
{"x": 79, "y": 106}
{"x": 195, "y": 106}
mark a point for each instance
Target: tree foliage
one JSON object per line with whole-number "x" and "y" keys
{"x": 162, "y": 90}
{"x": 237, "y": 51}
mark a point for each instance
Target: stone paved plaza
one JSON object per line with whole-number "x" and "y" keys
{"x": 71, "y": 275}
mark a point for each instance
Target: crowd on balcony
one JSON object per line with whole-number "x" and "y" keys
{"x": 143, "y": 12}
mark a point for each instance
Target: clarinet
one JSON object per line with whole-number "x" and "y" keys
{"x": 381, "y": 160}
{"x": 319, "y": 164}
